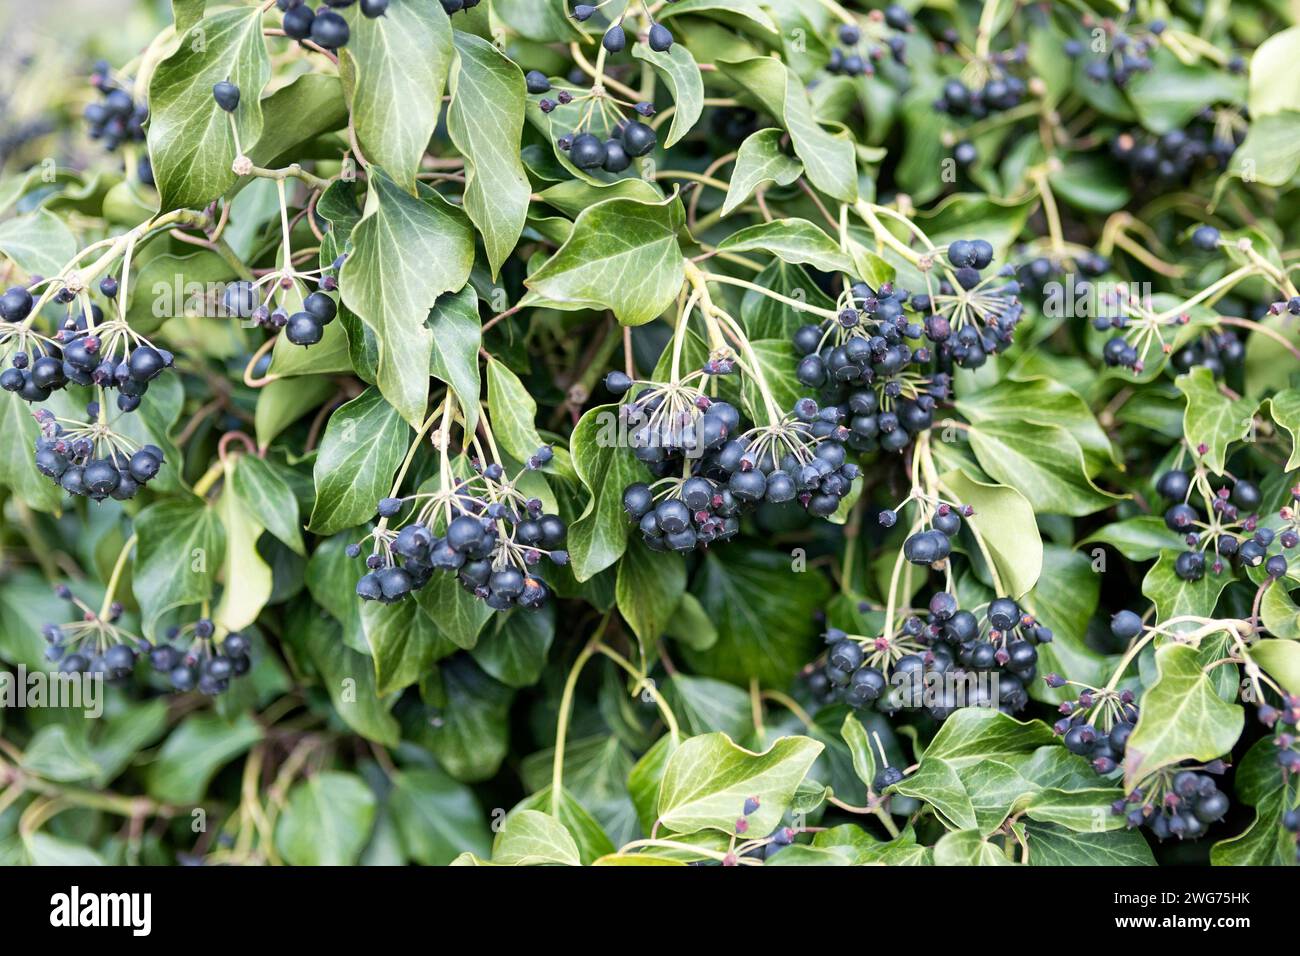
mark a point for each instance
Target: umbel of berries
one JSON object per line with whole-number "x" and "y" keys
{"x": 481, "y": 529}
{"x": 193, "y": 658}
{"x": 873, "y": 374}
{"x": 709, "y": 471}
{"x": 94, "y": 464}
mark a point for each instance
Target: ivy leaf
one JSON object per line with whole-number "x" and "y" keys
{"x": 186, "y": 13}
{"x": 1280, "y": 658}
{"x": 1174, "y": 597}
{"x": 457, "y": 332}
{"x": 265, "y": 493}
{"x": 458, "y": 615}
{"x": 1140, "y": 538}
{"x": 363, "y": 445}
{"x": 327, "y": 820}
{"x": 682, "y": 74}
{"x": 1280, "y": 614}
{"x": 1005, "y": 522}
{"x": 513, "y": 412}
{"x": 599, "y": 536}
{"x": 763, "y": 611}
{"x": 532, "y": 838}
{"x": 406, "y": 252}
{"x": 182, "y": 544}
{"x": 750, "y": 9}
{"x": 764, "y": 317}
{"x": 394, "y": 69}
{"x": 861, "y": 749}
{"x": 245, "y": 577}
{"x": 437, "y": 817}
{"x": 759, "y": 162}
{"x": 1213, "y": 419}
{"x": 968, "y": 848}
{"x": 403, "y": 643}
{"x": 191, "y": 140}
{"x": 708, "y": 779}
{"x": 1051, "y": 844}
{"x": 347, "y": 676}
{"x": 486, "y": 121}
{"x": 1173, "y": 92}
{"x": 514, "y": 648}
{"x": 38, "y": 243}
{"x": 648, "y": 589}
{"x": 18, "y": 434}
{"x": 829, "y": 161}
{"x": 1182, "y": 718}
{"x": 469, "y": 733}
{"x": 284, "y": 401}
{"x": 622, "y": 255}
{"x": 793, "y": 240}
{"x": 1285, "y": 409}
{"x": 194, "y": 752}
{"x": 1043, "y": 462}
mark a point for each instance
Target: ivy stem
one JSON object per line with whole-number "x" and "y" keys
{"x": 566, "y": 706}
{"x": 646, "y": 684}
{"x": 113, "y": 579}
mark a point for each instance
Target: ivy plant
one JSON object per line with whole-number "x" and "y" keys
{"x": 654, "y": 432}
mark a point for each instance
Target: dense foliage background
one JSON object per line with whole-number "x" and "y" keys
{"x": 523, "y": 433}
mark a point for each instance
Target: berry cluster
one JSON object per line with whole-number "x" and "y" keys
{"x": 936, "y": 665}
{"x": 1039, "y": 274}
{"x": 859, "y": 47}
{"x": 329, "y": 30}
{"x": 1217, "y": 350}
{"x": 1226, "y": 525}
{"x": 1124, "y": 53}
{"x": 305, "y": 327}
{"x": 1176, "y": 802}
{"x": 708, "y": 471}
{"x": 1178, "y": 155}
{"x": 115, "y": 118}
{"x": 92, "y": 461}
{"x": 867, "y": 372}
{"x": 97, "y": 644}
{"x": 1001, "y": 90}
{"x": 492, "y": 538}
{"x": 971, "y": 316}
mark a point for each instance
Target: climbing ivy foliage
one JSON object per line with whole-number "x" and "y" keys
{"x": 711, "y": 432}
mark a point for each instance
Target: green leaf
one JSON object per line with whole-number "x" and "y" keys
{"x": 347, "y": 676}
{"x": 311, "y": 105}
{"x": 1281, "y": 659}
{"x": 1173, "y": 92}
{"x": 403, "y": 643}
{"x": 793, "y": 240}
{"x": 486, "y": 121}
{"x": 437, "y": 817}
{"x": 407, "y": 251}
{"x": 708, "y": 779}
{"x": 861, "y": 749}
{"x": 245, "y": 577}
{"x": 680, "y": 71}
{"x": 469, "y": 733}
{"x": 599, "y": 536}
{"x": 182, "y": 544}
{"x": 1285, "y": 409}
{"x": 763, "y": 611}
{"x": 458, "y": 615}
{"x": 1092, "y": 184}
{"x": 759, "y": 162}
{"x": 1043, "y": 462}
{"x": 648, "y": 589}
{"x": 186, "y": 13}
{"x": 1213, "y": 419}
{"x": 514, "y": 648}
{"x": 533, "y": 838}
{"x": 1280, "y": 614}
{"x": 363, "y": 445}
{"x": 394, "y": 69}
{"x": 192, "y": 141}
{"x": 1182, "y": 718}
{"x": 829, "y": 161}
{"x": 1271, "y": 152}
{"x": 457, "y": 332}
{"x": 55, "y": 753}
{"x": 1140, "y": 538}
{"x": 1005, "y": 522}
{"x": 262, "y": 489}
{"x": 968, "y": 848}
{"x": 750, "y": 9}
{"x": 1053, "y": 845}
{"x": 1264, "y": 843}
{"x": 513, "y": 412}
{"x": 38, "y": 243}
{"x": 704, "y": 705}
{"x": 622, "y": 255}
{"x": 194, "y": 752}
{"x": 588, "y": 836}
{"x": 18, "y": 434}
{"x": 327, "y": 820}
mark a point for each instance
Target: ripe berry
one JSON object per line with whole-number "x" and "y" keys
{"x": 374, "y": 8}
{"x": 227, "y": 95}
{"x": 1126, "y": 625}
{"x": 660, "y": 38}
{"x": 536, "y": 82}
{"x": 330, "y": 30}
{"x": 638, "y": 139}
{"x": 615, "y": 39}
{"x": 1206, "y": 238}
{"x": 16, "y": 304}
{"x": 587, "y": 151}
{"x": 304, "y": 329}
{"x": 321, "y": 306}
{"x": 1173, "y": 485}
{"x": 298, "y": 21}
